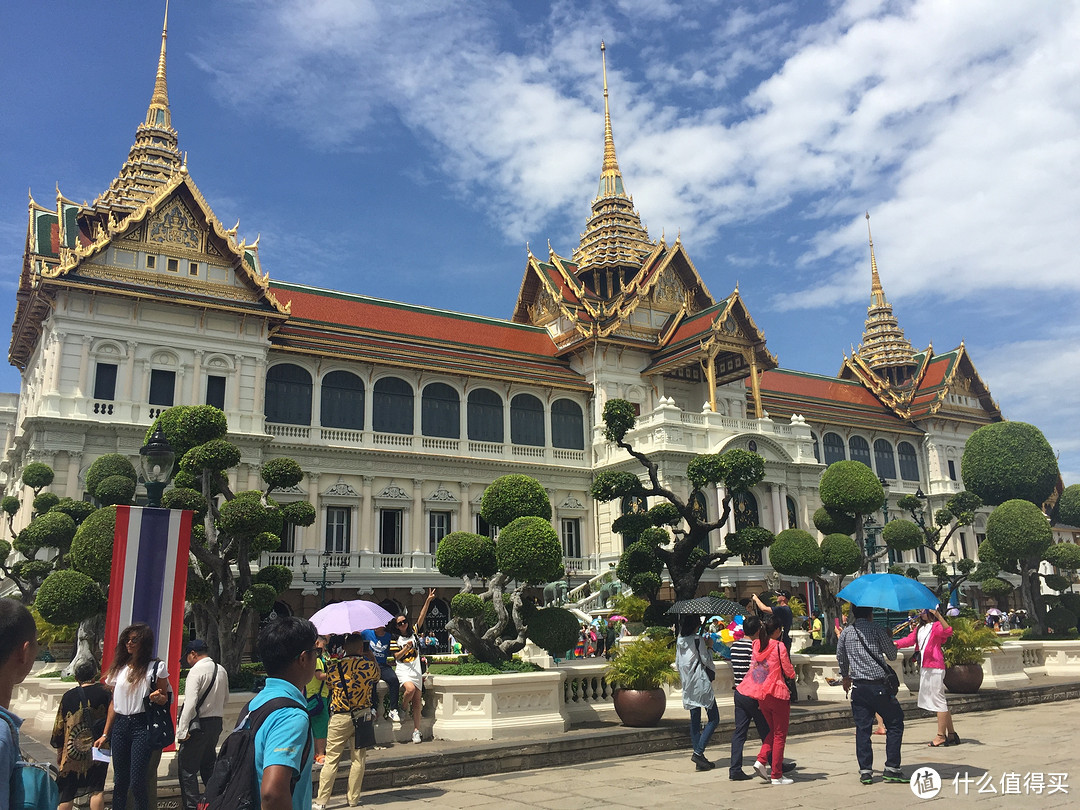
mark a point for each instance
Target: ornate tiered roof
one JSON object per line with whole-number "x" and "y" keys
{"x": 884, "y": 349}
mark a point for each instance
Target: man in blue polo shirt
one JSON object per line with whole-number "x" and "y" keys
{"x": 287, "y": 649}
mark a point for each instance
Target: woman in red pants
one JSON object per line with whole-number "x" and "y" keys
{"x": 764, "y": 682}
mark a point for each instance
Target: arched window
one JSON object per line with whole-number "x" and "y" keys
{"x": 288, "y": 395}
{"x": 860, "y": 450}
{"x": 883, "y": 458}
{"x": 342, "y": 401}
{"x": 701, "y": 512}
{"x": 485, "y": 416}
{"x": 527, "y": 420}
{"x": 567, "y": 425}
{"x": 745, "y": 506}
{"x": 440, "y": 411}
{"x": 392, "y": 406}
{"x": 792, "y": 513}
{"x": 909, "y": 464}
{"x": 817, "y": 447}
{"x": 834, "y": 448}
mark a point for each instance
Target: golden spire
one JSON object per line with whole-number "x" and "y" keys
{"x": 154, "y": 157}
{"x": 884, "y": 347}
{"x": 614, "y": 236}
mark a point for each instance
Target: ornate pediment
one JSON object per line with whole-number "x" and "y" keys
{"x": 669, "y": 291}
{"x": 341, "y": 489}
{"x": 395, "y": 493}
{"x": 175, "y": 225}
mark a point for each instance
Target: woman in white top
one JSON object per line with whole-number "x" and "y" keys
{"x": 406, "y": 651}
{"x": 125, "y": 727}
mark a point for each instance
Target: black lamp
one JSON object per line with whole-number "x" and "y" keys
{"x": 156, "y": 457}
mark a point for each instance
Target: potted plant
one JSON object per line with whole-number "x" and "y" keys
{"x": 638, "y": 671}
{"x": 965, "y": 652}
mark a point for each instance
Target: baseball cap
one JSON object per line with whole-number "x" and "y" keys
{"x": 196, "y": 645}
{"x": 781, "y": 592}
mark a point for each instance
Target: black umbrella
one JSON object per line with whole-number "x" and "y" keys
{"x": 707, "y": 606}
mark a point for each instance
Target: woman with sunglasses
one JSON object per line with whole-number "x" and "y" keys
{"x": 406, "y": 651}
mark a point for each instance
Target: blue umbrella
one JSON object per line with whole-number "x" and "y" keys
{"x": 889, "y": 591}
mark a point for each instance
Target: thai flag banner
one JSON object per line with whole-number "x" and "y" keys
{"x": 149, "y": 580}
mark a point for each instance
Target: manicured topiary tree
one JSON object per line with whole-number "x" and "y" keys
{"x": 850, "y": 491}
{"x": 1018, "y": 535}
{"x": 1068, "y": 506}
{"x": 495, "y": 623}
{"x": 649, "y": 544}
{"x": 1009, "y": 460}
{"x": 796, "y": 553}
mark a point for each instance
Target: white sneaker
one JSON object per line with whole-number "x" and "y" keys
{"x": 783, "y": 780}
{"x": 317, "y": 806}
{"x": 416, "y": 735}
{"x": 761, "y": 769}
{"x": 394, "y": 716}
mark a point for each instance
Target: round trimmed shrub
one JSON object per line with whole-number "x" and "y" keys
{"x": 638, "y": 558}
{"x": 1056, "y": 582}
{"x": 664, "y": 513}
{"x": 53, "y": 529}
{"x": 1065, "y": 556}
{"x": 244, "y": 515}
{"x": 186, "y": 480}
{"x": 37, "y": 475}
{"x": 995, "y": 586}
{"x": 115, "y": 489}
{"x": 528, "y": 550}
{"x": 509, "y": 497}
{"x": 632, "y": 524}
{"x": 198, "y": 589}
{"x": 654, "y": 536}
{"x": 298, "y": 513}
{"x": 831, "y": 521}
{"x": 646, "y": 584}
{"x": 9, "y": 505}
{"x": 796, "y": 553}
{"x": 32, "y": 570}
{"x": 902, "y": 535}
{"x": 841, "y": 554}
{"x": 260, "y": 598}
{"x": 76, "y": 510}
{"x": 107, "y": 466}
{"x": 92, "y": 549}
{"x": 215, "y": 455}
{"x": 554, "y": 629}
{"x": 1070, "y": 601}
{"x": 1069, "y": 506}
{"x": 619, "y": 418}
{"x": 1018, "y": 530}
{"x": 263, "y": 542}
{"x": 278, "y": 577}
{"x": 45, "y": 501}
{"x": 851, "y": 487}
{"x": 611, "y": 484}
{"x": 466, "y": 606}
{"x": 464, "y": 554}
{"x": 281, "y": 473}
{"x": 749, "y": 539}
{"x": 202, "y": 423}
{"x": 1061, "y": 619}
{"x": 1008, "y": 461}
{"x": 178, "y": 498}
{"x": 68, "y": 597}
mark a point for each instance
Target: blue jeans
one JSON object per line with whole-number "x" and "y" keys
{"x": 867, "y": 699}
{"x": 699, "y": 737}
{"x": 746, "y": 709}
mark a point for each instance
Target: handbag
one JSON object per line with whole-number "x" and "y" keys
{"x": 892, "y": 680}
{"x": 316, "y": 704}
{"x": 710, "y": 673}
{"x": 160, "y": 731}
{"x": 195, "y": 725}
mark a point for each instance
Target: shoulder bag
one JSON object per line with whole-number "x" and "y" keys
{"x": 892, "y": 680}
{"x": 363, "y": 727}
{"x": 160, "y": 731}
{"x": 196, "y": 725}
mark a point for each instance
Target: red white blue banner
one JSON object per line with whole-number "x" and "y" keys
{"x": 149, "y": 580}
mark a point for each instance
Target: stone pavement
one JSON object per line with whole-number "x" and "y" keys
{"x": 1033, "y": 742}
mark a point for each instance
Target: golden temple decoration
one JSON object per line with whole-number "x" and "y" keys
{"x": 883, "y": 349}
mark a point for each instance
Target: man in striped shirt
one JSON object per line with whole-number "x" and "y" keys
{"x": 746, "y": 709}
{"x": 860, "y": 652}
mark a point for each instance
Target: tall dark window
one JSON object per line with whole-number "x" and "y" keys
{"x": 342, "y": 401}
{"x": 952, "y": 470}
{"x": 909, "y": 464}
{"x": 485, "y": 416}
{"x": 390, "y": 531}
{"x": 338, "y": 529}
{"x": 860, "y": 450}
{"x": 834, "y": 448}
{"x": 483, "y": 528}
{"x": 883, "y": 457}
{"x": 288, "y": 395}
{"x": 392, "y": 408}
{"x": 527, "y": 420}
{"x": 288, "y": 537}
{"x": 162, "y": 386}
{"x": 105, "y": 381}
{"x": 440, "y": 411}
{"x": 215, "y": 391}
{"x": 792, "y": 513}
{"x": 567, "y": 425}
{"x": 438, "y": 528}
{"x": 571, "y": 537}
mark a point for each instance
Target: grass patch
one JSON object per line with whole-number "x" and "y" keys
{"x": 473, "y": 667}
{"x": 55, "y": 674}
{"x": 818, "y": 648}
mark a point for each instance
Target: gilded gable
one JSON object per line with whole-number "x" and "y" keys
{"x": 669, "y": 292}
{"x": 175, "y": 225}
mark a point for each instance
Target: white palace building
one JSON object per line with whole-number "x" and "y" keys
{"x": 400, "y": 415}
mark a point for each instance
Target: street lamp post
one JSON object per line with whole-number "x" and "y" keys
{"x": 954, "y": 579}
{"x": 322, "y": 583}
{"x": 156, "y": 458}
{"x": 871, "y": 541}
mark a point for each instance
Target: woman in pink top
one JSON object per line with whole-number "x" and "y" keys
{"x": 764, "y": 682}
{"x": 929, "y": 636}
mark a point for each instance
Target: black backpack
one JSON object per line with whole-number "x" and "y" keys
{"x": 233, "y": 785}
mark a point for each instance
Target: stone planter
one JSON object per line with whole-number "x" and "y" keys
{"x": 640, "y": 708}
{"x": 964, "y": 679}
{"x": 496, "y": 707}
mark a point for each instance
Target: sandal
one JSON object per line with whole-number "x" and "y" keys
{"x": 953, "y": 739}
{"x": 935, "y": 744}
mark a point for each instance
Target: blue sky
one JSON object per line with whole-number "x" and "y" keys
{"x": 411, "y": 150}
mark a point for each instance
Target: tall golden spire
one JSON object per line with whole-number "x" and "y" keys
{"x": 884, "y": 347}
{"x": 614, "y": 236}
{"x": 154, "y": 157}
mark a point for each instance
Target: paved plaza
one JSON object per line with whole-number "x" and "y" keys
{"x": 1015, "y": 752}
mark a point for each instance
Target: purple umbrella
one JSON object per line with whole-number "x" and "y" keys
{"x": 993, "y": 612}
{"x": 350, "y": 617}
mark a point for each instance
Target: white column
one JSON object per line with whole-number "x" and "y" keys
{"x": 778, "y": 519}
{"x": 232, "y": 386}
{"x": 366, "y": 541}
{"x": 84, "y": 367}
{"x": 416, "y": 522}
{"x": 783, "y": 507}
{"x": 74, "y": 463}
{"x": 311, "y": 538}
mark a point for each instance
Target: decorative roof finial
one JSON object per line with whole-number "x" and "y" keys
{"x": 159, "y": 101}
{"x": 611, "y": 183}
{"x": 883, "y": 343}
{"x": 877, "y": 294}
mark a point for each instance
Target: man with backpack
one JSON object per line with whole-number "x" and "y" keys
{"x": 18, "y": 649}
{"x": 266, "y": 761}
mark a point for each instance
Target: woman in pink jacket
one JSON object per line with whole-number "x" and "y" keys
{"x": 764, "y": 682}
{"x": 929, "y": 636}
